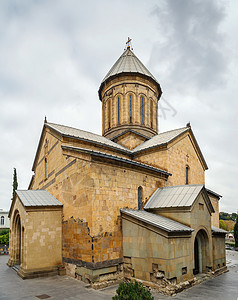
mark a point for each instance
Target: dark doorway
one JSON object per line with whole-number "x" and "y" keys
{"x": 196, "y": 258}
{"x": 18, "y": 240}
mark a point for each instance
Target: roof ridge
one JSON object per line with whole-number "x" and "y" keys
{"x": 76, "y": 129}
{"x": 173, "y": 130}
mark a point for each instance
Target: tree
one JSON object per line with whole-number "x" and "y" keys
{"x": 236, "y": 232}
{"x": 222, "y": 224}
{"x": 15, "y": 184}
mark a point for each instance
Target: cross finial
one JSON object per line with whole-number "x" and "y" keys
{"x": 129, "y": 45}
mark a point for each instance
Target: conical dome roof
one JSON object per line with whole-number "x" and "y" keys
{"x": 127, "y": 63}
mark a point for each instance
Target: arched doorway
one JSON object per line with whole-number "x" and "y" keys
{"x": 18, "y": 240}
{"x": 201, "y": 252}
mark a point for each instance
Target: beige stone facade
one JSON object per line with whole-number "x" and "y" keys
{"x": 93, "y": 177}
{"x": 35, "y": 239}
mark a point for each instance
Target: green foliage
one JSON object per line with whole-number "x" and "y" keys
{"x": 132, "y": 291}
{"x": 222, "y": 224}
{"x": 15, "y": 183}
{"x": 236, "y": 232}
{"x": 4, "y": 231}
{"x": 4, "y": 239}
{"x": 227, "y": 216}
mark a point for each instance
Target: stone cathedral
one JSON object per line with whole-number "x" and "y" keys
{"x": 130, "y": 203}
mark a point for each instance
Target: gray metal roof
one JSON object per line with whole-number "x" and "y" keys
{"x": 117, "y": 158}
{"x": 213, "y": 193}
{"x": 157, "y": 220}
{"x": 157, "y": 140}
{"x": 128, "y": 63}
{"x": 160, "y": 139}
{"x": 85, "y": 135}
{"x": 37, "y": 198}
{"x": 174, "y": 196}
{"x": 218, "y": 230}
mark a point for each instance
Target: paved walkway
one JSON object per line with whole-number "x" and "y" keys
{"x": 12, "y": 287}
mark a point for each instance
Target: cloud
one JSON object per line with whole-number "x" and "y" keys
{"x": 190, "y": 46}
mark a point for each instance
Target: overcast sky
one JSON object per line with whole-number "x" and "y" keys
{"x": 54, "y": 54}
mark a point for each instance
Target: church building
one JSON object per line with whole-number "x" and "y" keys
{"x": 130, "y": 203}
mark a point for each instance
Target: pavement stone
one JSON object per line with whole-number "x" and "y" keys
{"x": 12, "y": 287}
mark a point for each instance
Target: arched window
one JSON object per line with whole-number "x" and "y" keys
{"x": 2, "y": 220}
{"x": 45, "y": 167}
{"x": 130, "y": 108}
{"x": 187, "y": 173}
{"x": 118, "y": 110}
{"x": 140, "y": 189}
{"x": 142, "y": 110}
{"x": 151, "y": 113}
{"x": 109, "y": 114}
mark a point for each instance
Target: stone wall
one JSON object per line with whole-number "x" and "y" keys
{"x": 174, "y": 158}
{"x": 123, "y": 87}
{"x": 151, "y": 256}
{"x": 40, "y": 232}
{"x": 219, "y": 252}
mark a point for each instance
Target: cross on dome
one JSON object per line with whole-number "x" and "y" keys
{"x": 128, "y": 43}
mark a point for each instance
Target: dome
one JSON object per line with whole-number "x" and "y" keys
{"x": 130, "y": 64}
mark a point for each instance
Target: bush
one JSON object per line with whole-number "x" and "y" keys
{"x": 4, "y": 239}
{"x": 132, "y": 291}
{"x": 236, "y": 232}
{"x": 4, "y": 231}
{"x": 222, "y": 224}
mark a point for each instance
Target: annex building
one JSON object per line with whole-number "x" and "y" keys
{"x": 129, "y": 203}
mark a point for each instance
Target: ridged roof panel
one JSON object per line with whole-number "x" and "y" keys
{"x": 85, "y": 135}
{"x": 157, "y": 220}
{"x": 160, "y": 139}
{"x": 37, "y": 198}
{"x": 128, "y": 63}
{"x": 174, "y": 196}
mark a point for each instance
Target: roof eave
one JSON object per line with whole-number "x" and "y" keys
{"x": 107, "y": 80}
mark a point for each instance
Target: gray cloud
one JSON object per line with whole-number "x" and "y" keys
{"x": 55, "y": 53}
{"x": 191, "y": 44}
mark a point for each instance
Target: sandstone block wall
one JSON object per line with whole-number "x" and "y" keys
{"x": 147, "y": 253}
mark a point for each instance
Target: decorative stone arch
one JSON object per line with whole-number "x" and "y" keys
{"x": 130, "y": 97}
{"x": 118, "y": 108}
{"x": 142, "y": 108}
{"x": 17, "y": 239}
{"x": 202, "y": 245}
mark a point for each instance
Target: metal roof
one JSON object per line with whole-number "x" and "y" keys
{"x": 37, "y": 198}
{"x": 117, "y": 158}
{"x": 157, "y": 140}
{"x": 157, "y": 220}
{"x": 218, "y": 230}
{"x": 174, "y": 196}
{"x": 85, "y": 135}
{"x": 128, "y": 63}
{"x": 160, "y": 139}
{"x": 213, "y": 193}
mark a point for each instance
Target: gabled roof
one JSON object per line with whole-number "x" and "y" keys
{"x": 37, "y": 198}
{"x": 85, "y": 135}
{"x": 182, "y": 196}
{"x": 157, "y": 220}
{"x": 34, "y": 198}
{"x": 67, "y": 131}
{"x": 213, "y": 193}
{"x": 218, "y": 230}
{"x": 116, "y": 159}
{"x": 127, "y": 63}
{"x": 161, "y": 139}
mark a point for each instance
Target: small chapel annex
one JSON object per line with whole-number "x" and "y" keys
{"x": 130, "y": 203}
